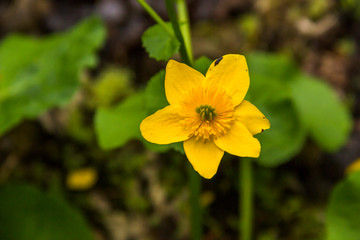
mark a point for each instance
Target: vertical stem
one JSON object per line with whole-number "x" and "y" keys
{"x": 156, "y": 17}
{"x": 195, "y": 218}
{"x": 182, "y": 32}
{"x": 175, "y": 24}
{"x": 246, "y": 196}
{"x": 185, "y": 27}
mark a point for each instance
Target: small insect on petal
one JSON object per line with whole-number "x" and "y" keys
{"x": 217, "y": 61}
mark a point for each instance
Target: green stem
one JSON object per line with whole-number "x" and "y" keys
{"x": 195, "y": 190}
{"x": 156, "y": 17}
{"x": 185, "y": 27}
{"x": 183, "y": 35}
{"x": 175, "y": 24}
{"x": 246, "y": 196}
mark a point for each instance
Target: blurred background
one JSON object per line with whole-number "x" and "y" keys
{"x": 67, "y": 86}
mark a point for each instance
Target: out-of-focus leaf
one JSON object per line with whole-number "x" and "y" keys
{"x": 285, "y": 137}
{"x": 295, "y": 105}
{"x": 343, "y": 220}
{"x": 263, "y": 89}
{"x": 112, "y": 85}
{"x": 117, "y": 125}
{"x": 159, "y": 43}
{"x": 269, "y": 91}
{"x": 37, "y": 74}
{"x": 26, "y": 213}
{"x": 324, "y": 115}
{"x": 268, "y": 77}
{"x": 202, "y": 64}
{"x": 154, "y": 95}
{"x": 274, "y": 67}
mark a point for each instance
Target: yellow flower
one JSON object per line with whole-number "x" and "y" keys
{"x": 208, "y": 113}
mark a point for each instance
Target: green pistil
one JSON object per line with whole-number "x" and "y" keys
{"x": 206, "y": 112}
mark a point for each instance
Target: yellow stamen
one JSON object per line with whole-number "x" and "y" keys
{"x": 213, "y": 115}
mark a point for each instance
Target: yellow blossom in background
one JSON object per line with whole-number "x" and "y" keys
{"x": 208, "y": 113}
{"x": 81, "y": 179}
{"x": 354, "y": 166}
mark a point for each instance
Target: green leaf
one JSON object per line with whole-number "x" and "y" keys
{"x": 275, "y": 67}
{"x": 117, "y": 125}
{"x": 154, "y": 95}
{"x": 320, "y": 110}
{"x": 159, "y": 43}
{"x": 202, "y": 64}
{"x": 26, "y": 213}
{"x": 268, "y": 77}
{"x": 343, "y": 220}
{"x": 285, "y": 137}
{"x": 296, "y": 106}
{"x": 269, "y": 91}
{"x": 37, "y": 74}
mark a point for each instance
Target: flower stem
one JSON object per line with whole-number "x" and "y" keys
{"x": 185, "y": 27}
{"x": 195, "y": 218}
{"x": 183, "y": 35}
{"x": 156, "y": 17}
{"x": 175, "y": 24}
{"x": 246, "y": 196}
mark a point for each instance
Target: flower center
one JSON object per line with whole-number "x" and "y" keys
{"x": 206, "y": 112}
{"x": 213, "y": 115}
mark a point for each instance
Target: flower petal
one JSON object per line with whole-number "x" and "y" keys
{"x": 230, "y": 72}
{"x": 239, "y": 141}
{"x": 251, "y": 117}
{"x": 164, "y": 127}
{"x": 205, "y": 157}
{"x": 179, "y": 79}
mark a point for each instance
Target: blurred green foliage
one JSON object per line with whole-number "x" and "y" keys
{"x": 352, "y": 6}
{"x": 325, "y": 117}
{"x": 296, "y": 105}
{"x": 160, "y": 44}
{"x": 112, "y": 85}
{"x": 37, "y": 74}
{"x": 153, "y": 100}
{"x": 115, "y": 126}
{"x": 27, "y": 213}
{"x": 343, "y": 211}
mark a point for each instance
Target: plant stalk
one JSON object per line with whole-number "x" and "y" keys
{"x": 196, "y": 211}
{"x": 246, "y": 199}
{"x": 183, "y": 35}
{"x": 156, "y": 17}
{"x": 185, "y": 27}
{"x": 175, "y": 24}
